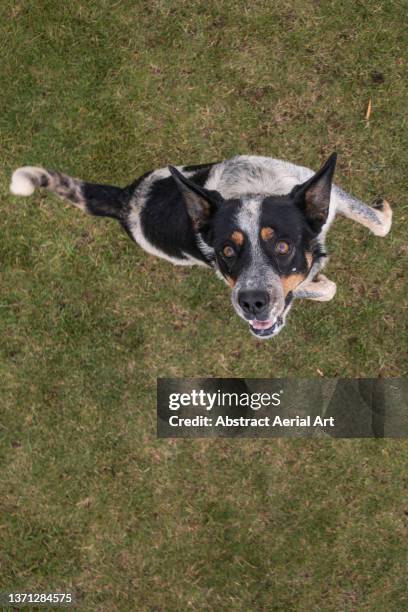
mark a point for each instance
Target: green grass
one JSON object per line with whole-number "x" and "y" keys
{"x": 89, "y": 499}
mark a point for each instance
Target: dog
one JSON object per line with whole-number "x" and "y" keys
{"x": 259, "y": 222}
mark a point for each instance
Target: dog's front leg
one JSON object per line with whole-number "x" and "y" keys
{"x": 320, "y": 289}
{"x": 377, "y": 217}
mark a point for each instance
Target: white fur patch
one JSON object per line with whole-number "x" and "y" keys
{"x": 22, "y": 182}
{"x": 248, "y": 219}
{"x": 385, "y": 217}
{"x": 250, "y": 174}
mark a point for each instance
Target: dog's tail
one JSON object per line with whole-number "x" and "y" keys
{"x": 94, "y": 199}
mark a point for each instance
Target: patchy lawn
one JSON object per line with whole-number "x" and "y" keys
{"x": 90, "y": 500}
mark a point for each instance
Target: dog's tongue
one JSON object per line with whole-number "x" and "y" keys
{"x": 261, "y": 324}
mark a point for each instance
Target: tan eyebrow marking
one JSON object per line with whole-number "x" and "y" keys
{"x": 267, "y": 233}
{"x": 237, "y": 237}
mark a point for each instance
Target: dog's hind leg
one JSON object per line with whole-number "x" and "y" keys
{"x": 377, "y": 217}
{"x": 94, "y": 199}
{"x": 320, "y": 289}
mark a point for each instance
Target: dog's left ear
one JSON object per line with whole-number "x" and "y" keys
{"x": 201, "y": 203}
{"x": 313, "y": 197}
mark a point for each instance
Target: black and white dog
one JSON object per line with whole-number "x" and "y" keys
{"x": 259, "y": 222}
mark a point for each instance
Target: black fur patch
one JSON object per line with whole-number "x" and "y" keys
{"x": 104, "y": 200}
{"x": 201, "y": 173}
{"x": 287, "y": 222}
{"x": 166, "y": 223}
{"x": 290, "y": 226}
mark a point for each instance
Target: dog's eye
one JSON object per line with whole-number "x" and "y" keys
{"x": 282, "y": 247}
{"x": 228, "y": 251}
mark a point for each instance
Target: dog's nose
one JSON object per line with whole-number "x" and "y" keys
{"x": 254, "y": 303}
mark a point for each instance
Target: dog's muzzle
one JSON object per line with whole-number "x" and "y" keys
{"x": 256, "y": 307}
{"x": 269, "y": 328}
{"x": 266, "y": 329}
{"x": 263, "y": 309}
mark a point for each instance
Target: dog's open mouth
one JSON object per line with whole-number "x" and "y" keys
{"x": 265, "y": 328}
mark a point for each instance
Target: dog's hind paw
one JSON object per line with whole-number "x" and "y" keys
{"x": 383, "y": 212}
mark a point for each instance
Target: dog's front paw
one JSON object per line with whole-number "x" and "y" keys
{"x": 320, "y": 289}
{"x": 384, "y": 214}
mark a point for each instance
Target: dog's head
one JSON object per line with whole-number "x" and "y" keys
{"x": 263, "y": 246}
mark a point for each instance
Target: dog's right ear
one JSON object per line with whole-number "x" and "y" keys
{"x": 201, "y": 203}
